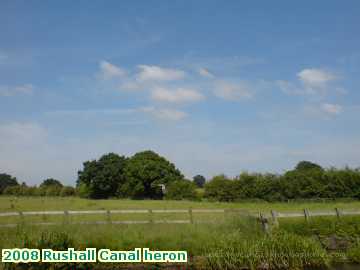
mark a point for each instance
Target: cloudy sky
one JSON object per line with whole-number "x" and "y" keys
{"x": 214, "y": 86}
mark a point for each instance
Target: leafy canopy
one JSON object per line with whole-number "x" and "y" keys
{"x": 50, "y": 182}
{"x": 7, "y": 180}
{"x": 101, "y": 178}
{"x": 144, "y": 172}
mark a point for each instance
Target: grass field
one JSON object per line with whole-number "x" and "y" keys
{"x": 229, "y": 242}
{"x": 9, "y": 204}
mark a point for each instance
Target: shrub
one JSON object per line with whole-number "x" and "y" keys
{"x": 220, "y": 188}
{"x": 67, "y": 191}
{"x": 180, "y": 190}
{"x": 53, "y": 191}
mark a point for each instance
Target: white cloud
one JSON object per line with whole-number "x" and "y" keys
{"x": 110, "y": 71}
{"x": 205, "y": 73}
{"x": 156, "y": 73}
{"x": 332, "y": 109}
{"x": 233, "y": 91}
{"x": 311, "y": 81}
{"x": 164, "y": 114}
{"x": 25, "y": 89}
{"x": 315, "y": 78}
{"x": 90, "y": 112}
{"x": 178, "y": 95}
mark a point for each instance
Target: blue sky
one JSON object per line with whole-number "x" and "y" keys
{"x": 214, "y": 86}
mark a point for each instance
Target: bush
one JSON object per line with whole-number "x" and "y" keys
{"x": 180, "y": 190}
{"x": 67, "y": 191}
{"x": 20, "y": 190}
{"x": 83, "y": 191}
{"x": 53, "y": 191}
{"x": 220, "y": 188}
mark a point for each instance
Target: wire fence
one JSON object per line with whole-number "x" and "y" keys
{"x": 263, "y": 217}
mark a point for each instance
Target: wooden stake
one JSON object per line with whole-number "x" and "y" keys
{"x": 307, "y": 215}
{"x": 191, "y": 215}
{"x": 274, "y": 218}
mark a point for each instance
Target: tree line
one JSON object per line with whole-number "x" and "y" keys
{"x": 147, "y": 175}
{"x": 306, "y": 181}
{"x": 49, "y": 187}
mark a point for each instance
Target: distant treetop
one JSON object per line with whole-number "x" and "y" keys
{"x": 199, "y": 180}
{"x": 307, "y": 165}
{"x": 7, "y": 180}
{"x": 51, "y": 182}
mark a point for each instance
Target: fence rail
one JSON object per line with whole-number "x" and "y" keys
{"x": 264, "y": 217}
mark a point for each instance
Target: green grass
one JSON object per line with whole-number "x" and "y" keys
{"x": 230, "y": 244}
{"x": 9, "y": 203}
{"x": 232, "y": 241}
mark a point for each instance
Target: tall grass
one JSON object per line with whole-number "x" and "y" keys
{"x": 278, "y": 251}
{"x": 231, "y": 244}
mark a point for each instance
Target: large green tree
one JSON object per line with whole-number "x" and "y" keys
{"x": 101, "y": 178}
{"x": 144, "y": 172}
{"x": 7, "y": 180}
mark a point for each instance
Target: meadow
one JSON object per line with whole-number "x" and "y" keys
{"x": 12, "y": 203}
{"x": 217, "y": 241}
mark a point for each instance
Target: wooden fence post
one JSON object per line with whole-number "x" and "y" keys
{"x": 21, "y": 215}
{"x": 338, "y": 213}
{"x": 108, "y": 216}
{"x": 150, "y": 216}
{"x": 66, "y": 217}
{"x": 274, "y": 215}
{"x": 264, "y": 223}
{"x": 306, "y": 215}
{"x": 191, "y": 215}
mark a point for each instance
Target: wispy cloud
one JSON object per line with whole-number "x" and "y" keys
{"x": 311, "y": 82}
{"x": 205, "y": 73}
{"x": 110, "y": 71}
{"x": 156, "y": 73}
{"x": 331, "y": 109}
{"x": 90, "y": 112}
{"x": 159, "y": 113}
{"x": 178, "y": 95}
{"x": 25, "y": 89}
{"x": 233, "y": 91}
{"x": 165, "y": 114}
